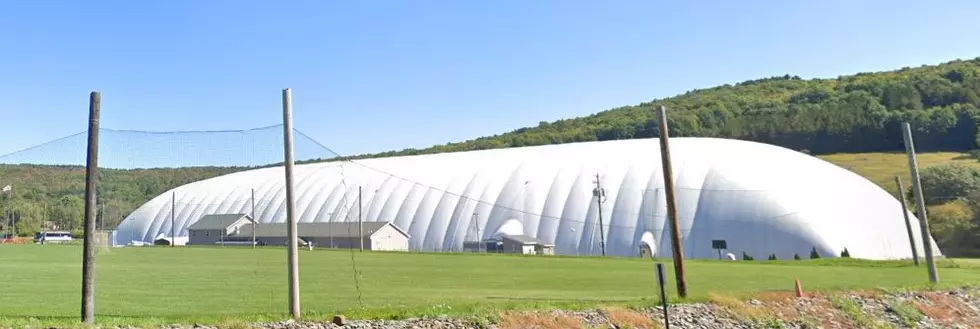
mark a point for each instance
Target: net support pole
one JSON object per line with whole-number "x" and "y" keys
{"x": 293, "y": 254}
{"x": 360, "y": 220}
{"x": 91, "y": 183}
{"x": 255, "y": 222}
{"x": 920, "y": 202}
{"x": 675, "y": 229}
{"x": 908, "y": 221}
{"x": 173, "y": 219}
{"x": 600, "y": 195}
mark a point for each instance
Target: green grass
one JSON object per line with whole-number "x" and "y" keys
{"x": 881, "y": 168}
{"x": 854, "y": 311}
{"x": 41, "y": 284}
{"x": 909, "y": 315}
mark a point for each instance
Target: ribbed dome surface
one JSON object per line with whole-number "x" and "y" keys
{"x": 760, "y": 198}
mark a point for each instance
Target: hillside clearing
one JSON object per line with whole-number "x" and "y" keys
{"x": 881, "y": 168}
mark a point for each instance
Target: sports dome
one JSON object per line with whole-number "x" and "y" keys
{"x": 761, "y": 199}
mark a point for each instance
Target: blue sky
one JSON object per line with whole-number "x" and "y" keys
{"x": 371, "y": 76}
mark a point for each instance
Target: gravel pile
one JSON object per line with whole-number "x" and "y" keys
{"x": 958, "y": 308}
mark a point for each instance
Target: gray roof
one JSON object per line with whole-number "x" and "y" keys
{"x": 320, "y": 230}
{"x": 523, "y": 239}
{"x": 217, "y": 221}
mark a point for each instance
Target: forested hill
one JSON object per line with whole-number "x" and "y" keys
{"x": 855, "y": 113}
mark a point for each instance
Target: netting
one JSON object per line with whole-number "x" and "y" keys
{"x": 132, "y": 149}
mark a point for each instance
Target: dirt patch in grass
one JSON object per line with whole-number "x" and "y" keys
{"x": 626, "y": 318}
{"x": 946, "y": 309}
{"x": 539, "y": 320}
{"x": 738, "y": 308}
{"x": 813, "y": 310}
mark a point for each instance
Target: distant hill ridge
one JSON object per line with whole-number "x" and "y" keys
{"x": 849, "y": 114}
{"x": 852, "y": 113}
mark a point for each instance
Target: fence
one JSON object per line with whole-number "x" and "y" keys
{"x": 197, "y": 218}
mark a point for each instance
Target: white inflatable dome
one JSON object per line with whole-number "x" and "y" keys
{"x": 761, "y": 199}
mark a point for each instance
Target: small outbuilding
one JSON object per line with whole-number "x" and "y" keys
{"x": 522, "y": 244}
{"x": 383, "y": 236}
{"x": 216, "y": 228}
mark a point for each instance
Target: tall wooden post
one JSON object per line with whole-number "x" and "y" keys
{"x": 675, "y": 229}
{"x": 255, "y": 222}
{"x": 293, "y": 252}
{"x": 173, "y": 219}
{"x": 920, "y": 202}
{"x": 908, "y": 221}
{"x": 91, "y": 185}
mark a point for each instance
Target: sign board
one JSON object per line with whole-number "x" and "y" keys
{"x": 719, "y": 244}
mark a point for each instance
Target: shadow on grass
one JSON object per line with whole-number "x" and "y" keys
{"x": 969, "y": 155}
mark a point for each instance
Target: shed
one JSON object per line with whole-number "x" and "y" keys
{"x": 216, "y": 228}
{"x": 519, "y": 244}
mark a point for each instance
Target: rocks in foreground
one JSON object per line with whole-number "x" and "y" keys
{"x": 959, "y": 308}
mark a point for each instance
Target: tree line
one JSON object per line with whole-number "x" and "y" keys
{"x": 55, "y": 194}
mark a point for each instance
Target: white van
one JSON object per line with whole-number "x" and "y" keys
{"x": 53, "y": 237}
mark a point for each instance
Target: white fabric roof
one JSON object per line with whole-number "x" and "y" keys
{"x": 760, "y": 198}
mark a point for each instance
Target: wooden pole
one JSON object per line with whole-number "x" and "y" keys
{"x": 91, "y": 184}
{"x": 920, "y": 202}
{"x": 675, "y": 229}
{"x": 292, "y": 253}
{"x": 908, "y": 221}
{"x": 360, "y": 223}
{"x": 599, "y": 194}
{"x": 173, "y": 219}
{"x": 255, "y": 222}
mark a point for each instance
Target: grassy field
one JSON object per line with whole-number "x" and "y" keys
{"x": 158, "y": 284}
{"x": 881, "y": 168}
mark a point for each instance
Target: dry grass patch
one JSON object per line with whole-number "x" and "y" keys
{"x": 626, "y": 318}
{"x": 736, "y": 306}
{"x": 881, "y": 168}
{"x": 815, "y": 309}
{"x": 535, "y": 320}
{"x": 776, "y": 296}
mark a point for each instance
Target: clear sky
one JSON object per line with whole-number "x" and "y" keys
{"x": 371, "y": 76}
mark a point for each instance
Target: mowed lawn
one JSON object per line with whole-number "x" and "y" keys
{"x": 192, "y": 283}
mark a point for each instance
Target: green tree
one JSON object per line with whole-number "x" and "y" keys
{"x": 944, "y": 183}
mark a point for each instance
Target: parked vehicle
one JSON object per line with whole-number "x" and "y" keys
{"x": 53, "y": 237}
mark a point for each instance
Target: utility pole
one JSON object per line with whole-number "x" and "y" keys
{"x": 360, "y": 219}
{"x": 675, "y": 229}
{"x": 908, "y": 222}
{"x": 920, "y": 202}
{"x": 479, "y": 238}
{"x": 44, "y": 219}
{"x": 91, "y": 186}
{"x": 600, "y": 198}
{"x": 255, "y": 222}
{"x": 293, "y": 254}
{"x": 10, "y": 211}
{"x": 173, "y": 219}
